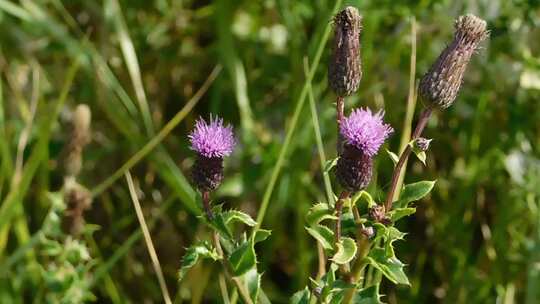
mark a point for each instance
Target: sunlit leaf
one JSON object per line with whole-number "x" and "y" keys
{"x": 346, "y": 250}
{"x": 323, "y": 235}
{"x": 398, "y": 213}
{"x": 319, "y": 213}
{"x": 261, "y": 235}
{"x": 194, "y": 254}
{"x": 390, "y": 267}
{"x": 233, "y": 216}
{"x": 414, "y": 192}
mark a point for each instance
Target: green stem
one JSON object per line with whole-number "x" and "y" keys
{"x": 299, "y": 105}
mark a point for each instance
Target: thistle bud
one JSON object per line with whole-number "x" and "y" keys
{"x": 212, "y": 141}
{"x": 363, "y": 133}
{"x": 368, "y": 232}
{"x": 345, "y": 70}
{"x": 80, "y": 136}
{"x": 440, "y": 85}
{"x": 422, "y": 143}
{"x": 377, "y": 214}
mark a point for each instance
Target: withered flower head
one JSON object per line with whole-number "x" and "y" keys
{"x": 440, "y": 85}
{"x": 80, "y": 136}
{"x": 345, "y": 69}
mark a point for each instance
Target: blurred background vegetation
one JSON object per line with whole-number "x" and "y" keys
{"x": 476, "y": 239}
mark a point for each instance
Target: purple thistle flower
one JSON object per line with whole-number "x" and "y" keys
{"x": 212, "y": 139}
{"x": 365, "y": 131}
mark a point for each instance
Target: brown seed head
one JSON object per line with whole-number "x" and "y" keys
{"x": 345, "y": 70}
{"x": 440, "y": 85}
{"x": 80, "y": 136}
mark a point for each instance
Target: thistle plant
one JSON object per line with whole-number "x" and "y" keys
{"x": 364, "y": 229}
{"x": 212, "y": 141}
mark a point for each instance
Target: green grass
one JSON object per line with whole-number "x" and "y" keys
{"x": 148, "y": 69}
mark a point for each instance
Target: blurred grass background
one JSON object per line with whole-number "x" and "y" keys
{"x": 136, "y": 63}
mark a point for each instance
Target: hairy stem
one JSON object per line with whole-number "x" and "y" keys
{"x": 206, "y": 205}
{"x": 422, "y": 121}
{"x": 339, "y": 207}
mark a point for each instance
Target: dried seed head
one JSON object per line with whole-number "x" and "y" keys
{"x": 345, "y": 69}
{"x": 440, "y": 85}
{"x": 207, "y": 172}
{"x": 80, "y": 136}
{"x": 354, "y": 169}
{"x": 77, "y": 199}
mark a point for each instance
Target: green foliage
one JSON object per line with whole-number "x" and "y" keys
{"x": 474, "y": 239}
{"x": 194, "y": 254}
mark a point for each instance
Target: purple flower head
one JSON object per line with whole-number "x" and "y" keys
{"x": 212, "y": 139}
{"x": 365, "y": 131}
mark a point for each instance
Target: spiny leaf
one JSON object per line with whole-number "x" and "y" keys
{"x": 194, "y": 254}
{"x": 322, "y": 234}
{"x": 364, "y": 196}
{"x": 252, "y": 279}
{"x": 261, "y": 235}
{"x": 413, "y": 192}
{"x": 346, "y": 250}
{"x": 243, "y": 258}
{"x": 390, "y": 267}
{"x": 233, "y": 216}
{"x": 300, "y": 297}
{"x": 369, "y": 295}
{"x": 318, "y": 213}
{"x": 398, "y": 213}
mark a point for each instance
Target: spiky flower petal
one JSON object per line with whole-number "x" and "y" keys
{"x": 440, "y": 85}
{"x": 365, "y": 131}
{"x": 212, "y": 139}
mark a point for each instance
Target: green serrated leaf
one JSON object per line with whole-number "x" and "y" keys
{"x": 369, "y": 295}
{"x": 323, "y": 235}
{"x": 393, "y": 156}
{"x": 346, "y": 250}
{"x": 261, "y": 235}
{"x": 243, "y": 258}
{"x": 413, "y": 192}
{"x": 365, "y": 196}
{"x": 252, "y": 280}
{"x": 300, "y": 297}
{"x": 398, "y": 213}
{"x": 318, "y": 213}
{"x": 194, "y": 254}
{"x": 218, "y": 223}
{"x": 233, "y": 216}
{"x": 331, "y": 163}
{"x": 390, "y": 267}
